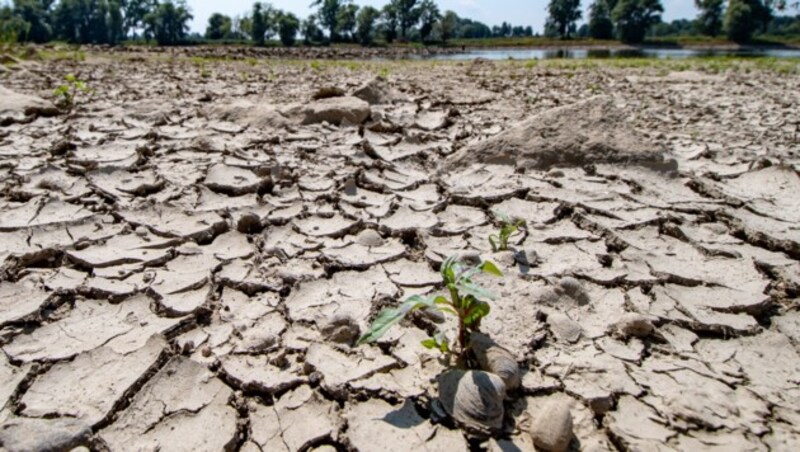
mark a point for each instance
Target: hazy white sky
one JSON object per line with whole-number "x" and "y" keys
{"x": 491, "y": 12}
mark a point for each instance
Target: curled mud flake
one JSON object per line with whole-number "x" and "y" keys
{"x": 633, "y": 325}
{"x": 336, "y": 110}
{"x": 496, "y": 359}
{"x": 473, "y": 398}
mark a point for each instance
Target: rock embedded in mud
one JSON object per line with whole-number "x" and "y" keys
{"x": 337, "y": 111}
{"x": 634, "y": 325}
{"x": 377, "y": 91}
{"x": 593, "y": 131}
{"x": 473, "y": 398}
{"x": 551, "y": 430}
{"x": 496, "y": 359}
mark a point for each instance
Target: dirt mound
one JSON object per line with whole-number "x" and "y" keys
{"x": 588, "y": 132}
{"x": 378, "y": 91}
{"x": 16, "y": 107}
{"x": 246, "y": 113}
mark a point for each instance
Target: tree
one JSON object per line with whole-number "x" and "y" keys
{"x": 447, "y": 26}
{"x": 261, "y": 22}
{"x": 219, "y": 27}
{"x": 288, "y": 25}
{"x": 563, "y": 14}
{"x": 82, "y": 21}
{"x": 365, "y": 24}
{"x": 407, "y": 15}
{"x": 11, "y": 25}
{"x": 328, "y": 14}
{"x": 312, "y": 34}
{"x": 169, "y": 22}
{"x": 600, "y": 25}
{"x": 429, "y": 16}
{"x": 36, "y": 16}
{"x": 116, "y": 22}
{"x": 346, "y": 21}
{"x": 709, "y": 21}
{"x": 632, "y": 18}
{"x": 390, "y": 21}
{"x": 743, "y": 18}
{"x": 135, "y": 12}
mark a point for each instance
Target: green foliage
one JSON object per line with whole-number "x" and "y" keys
{"x": 562, "y": 16}
{"x": 600, "y": 25}
{"x": 365, "y": 25}
{"x": 288, "y": 25}
{"x": 467, "y": 302}
{"x": 328, "y": 13}
{"x": 429, "y": 16}
{"x": 67, "y": 92}
{"x": 447, "y": 26}
{"x": 219, "y": 27}
{"x": 346, "y": 21}
{"x": 508, "y": 227}
{"x": 312, "y": 34}
{"x": 709, "y": 21}
{"x": 259, "y": 26}
{"x": 634, "y": 17}
{"x": 743, "y": 18}
{"x": 390, "y": 20}
{"x": 168, "y": 23}
{"x": 408, "y": 13}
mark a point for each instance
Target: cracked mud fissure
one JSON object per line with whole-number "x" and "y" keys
{"x": 187, "y": 258}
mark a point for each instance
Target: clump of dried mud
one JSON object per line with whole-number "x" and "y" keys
{"x": 187, "y": 258}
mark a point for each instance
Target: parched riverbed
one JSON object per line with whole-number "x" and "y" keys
{"x": 188, "y": 255}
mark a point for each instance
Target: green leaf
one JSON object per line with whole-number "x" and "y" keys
{"x": 472, "y": 289}
{"x": 389, "y": 317}
{"x": 70, "y": 78}
{"x": 479, "y": 310}
{"x": 490, "y": 268}
{"x": 429, "y": 343}
{"x": 492, "y": 242}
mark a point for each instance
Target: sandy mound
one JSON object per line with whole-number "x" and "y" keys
{"x": 588, "y": 132}
{"x": 246, "y": 113}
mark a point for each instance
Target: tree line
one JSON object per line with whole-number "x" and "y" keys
{"x": 631, "y": 20}
{"x": 167, "y": 21}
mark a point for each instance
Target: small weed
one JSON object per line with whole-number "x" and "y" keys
{"x": 316, "y": 65}
{"x": 508, "y": 227}
{"x": 467, "y": 302}
{"x": 67, "y": 92}
{"x": 384, "y": 73}
{"x": 205, "y": 73}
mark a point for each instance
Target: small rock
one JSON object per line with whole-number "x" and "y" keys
{"x": 248, "y": 223}
{"x": 496, "y": 359}
{"x": 370, "y": 238}
{"x": 552, "y": 429}
{"x": 634, "y": 325}
{"x": 327, "y": 92}
{"x": 574, "y": 289}
{"x": 473, "y": 398}
{"x": 341, "y": 329}
{"x": 564, "y": 328}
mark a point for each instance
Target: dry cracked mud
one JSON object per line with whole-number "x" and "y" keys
{"x": 188, "y": 255}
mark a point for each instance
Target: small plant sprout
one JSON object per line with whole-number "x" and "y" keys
{"x": 67, "y": 92}
{"x": 508, "y": 227}
{"x": 468, "y": 302}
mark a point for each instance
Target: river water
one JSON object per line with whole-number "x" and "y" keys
{"x": 662, "y": 53}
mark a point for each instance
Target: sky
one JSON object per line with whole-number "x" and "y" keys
{"x": 491, "y": 12}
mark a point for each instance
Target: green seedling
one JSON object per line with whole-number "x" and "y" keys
{"x": 508, "y": 227}
{"x": 468, "y": 302}
{"x": 72, "y": 87}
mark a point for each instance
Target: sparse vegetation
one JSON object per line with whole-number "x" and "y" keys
{"x": 468, "y": 302}
{"x": 508, "y": 227}
{"x": 66, "y": 94}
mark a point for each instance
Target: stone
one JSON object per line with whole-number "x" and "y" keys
{"x": 336, "y": 110}
{"x": 551, "y": 430}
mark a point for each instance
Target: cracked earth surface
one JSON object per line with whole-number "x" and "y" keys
{"x": 187, "y": 258}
